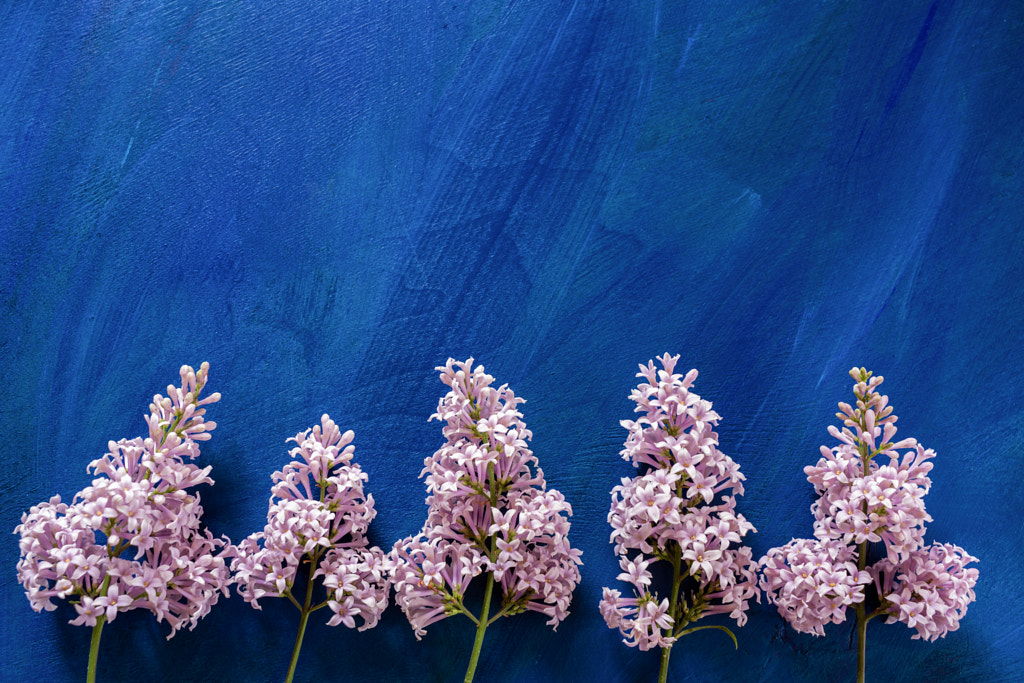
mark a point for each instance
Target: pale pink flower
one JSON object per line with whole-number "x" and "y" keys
{"x": 356, "y": 585}
{"x": 643, "y": 622}
{"x": 635, "y": 572}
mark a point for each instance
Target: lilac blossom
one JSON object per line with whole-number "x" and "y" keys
{"x": 489, "y": 514}
{"x": 133, "y": 539}
{"x": 681, "y": 510}
{"x": 319, "y": 515}
{"x": 929, "y": 591}
{"x": 870, "y": 489}
{"x": 812, "y": 582}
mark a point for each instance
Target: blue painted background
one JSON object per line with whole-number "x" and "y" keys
{"x": 327, "y": 200}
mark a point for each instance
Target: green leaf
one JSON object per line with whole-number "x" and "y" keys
{"x": 720, "y": 628}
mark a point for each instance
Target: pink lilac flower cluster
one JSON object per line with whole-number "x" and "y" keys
{"x": 681, "y": 510}
{"x": 133, "y": 539}
{"x": 490, "y": 511}
{"x": 813, "y": 582}
{"x": 864, "y": 499}
{"x": 318, "y": 512}
{"x": 930, "y": 590}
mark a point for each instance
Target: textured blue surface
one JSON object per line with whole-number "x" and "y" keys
{"x": 327, "y": 201}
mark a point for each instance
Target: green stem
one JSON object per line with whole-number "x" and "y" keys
{"x": 482, "y": 623}
{"x": 862, "y": 619}
{"x": 298, "y": 646}
{"x": 481, "y": 627}
{"x": 305, "y": 618}
{"x": 663, "y": 671}
{"x": 306, "y": 609}
{"x": 505, "y": 611}
{"x": 862, "y": 552}
{"x": 674, "y": 610}
{"x": 94, "y": 649}
{"x": 862, "y": 639}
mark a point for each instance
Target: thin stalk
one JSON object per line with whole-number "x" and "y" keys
{"x": 94, "y": 649}
{"x": 666, "y": 652}
{"x": 481, "y": 627}
{"x": 862, "y": 619}
{"x": 862, "y": 556}
{"x": 298, "y": 646}
{"x": 306, "y": 610}
{"x": 97, "y": 630}
{"x": 663, "y": 671}
{"x": 862, "y": 639}
{"x": 493, "y": 496}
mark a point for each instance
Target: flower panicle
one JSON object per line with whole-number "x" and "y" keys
{"x": 866, "y": 498}
{"x": 489, "y": 511}
{"x": 929, "y": 591}
{"x": 133, "y": 539}
{"x": 812, "y": 582}
{"x": 680, "y": 509}
{"x": 318, "y": 511}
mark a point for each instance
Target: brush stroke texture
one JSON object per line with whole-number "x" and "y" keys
{"x": 326, "y": 202}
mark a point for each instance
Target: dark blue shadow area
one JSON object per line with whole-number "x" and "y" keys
{"x": 327, "y": 202}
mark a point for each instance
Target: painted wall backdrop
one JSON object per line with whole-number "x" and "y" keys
{"x": 327, "y": 200}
